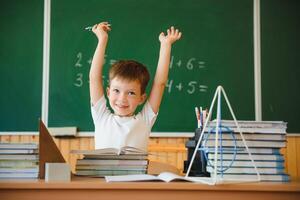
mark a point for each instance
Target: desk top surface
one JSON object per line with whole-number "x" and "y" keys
{"x": 99, "y": 183}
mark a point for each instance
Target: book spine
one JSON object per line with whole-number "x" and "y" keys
{"x": 226, "y": 163}
{"x": 230, "y": 143}
{"x": 256, "y": 157}
{"x": 249, "y": 170}
{"x": 18, "y": 163}
{"x": 111, "y": 162}
{"x": 247, "y": 136}
{"x": 108, "y": 172}
{"x": 18, "y": 175}
{"x": 18, "y": 146}
{"x": 19, "y": 157}
{"x": 263, "y": 177}
{"x": 19, "y": 170}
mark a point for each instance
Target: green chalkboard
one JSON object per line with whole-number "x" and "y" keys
{"x": 21, "y": 54}
{"x": 280, "y": 50}
{"x": 216, "y": 49}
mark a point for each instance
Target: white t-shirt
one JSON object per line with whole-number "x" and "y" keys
{"x": 113, "y": 131}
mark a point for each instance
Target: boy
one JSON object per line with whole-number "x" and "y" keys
{"x": 127, "y": 85}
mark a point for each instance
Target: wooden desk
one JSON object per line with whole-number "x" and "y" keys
{"x": 97, "y": 188}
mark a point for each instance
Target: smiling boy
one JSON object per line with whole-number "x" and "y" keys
{"x": 128, "y": 80}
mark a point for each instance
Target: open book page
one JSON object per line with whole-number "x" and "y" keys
{"x": 164, "y": 176}
{"x": 131, "y": 150}
{"x": 134, "y": 177}
{"x": 111, "y": 151}
{"x": 168, "y": 177}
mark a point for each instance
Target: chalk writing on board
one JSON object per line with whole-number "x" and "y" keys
{"x": 189, "y": 87}
{"x": 191, "y": 64}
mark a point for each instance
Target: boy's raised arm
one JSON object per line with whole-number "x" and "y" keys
{"x": 161, "y": 75}
{"x": 95, "y": 75}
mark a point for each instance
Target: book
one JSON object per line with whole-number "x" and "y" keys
{"x": 239, "y": 144}
{"x": 19, "y": 170}
{"x": 18, "y": 151}
{"x": 239, "y": 156}
{"x": 273, "y": 127}
{"x": 19, "y": 157}
{"x": 249, "y": 170}
{"x": 117, "y": 157}
{"x": 111, "y": 167}
{"x": 245, "y": 163}
{"x": 63, "y": 131}
{"x": 247, "y": 136}
{"x": 164, "y": 176}
{"x": 263, "y": 177}
{"x": 252, "y": 124}
{"x": 22, "y": 175}
{"x": 18, "y": 163}
{"x": 253, "y": 150}
{"x": 251, "y": 143}
{"x": 102, "y": 173}
{"x": 18, "y": 145}
{"x": 19, "y": 160}
{"x": 261, "y": 150}
{"x": 111, "y": 151}
{"x": 111, "y": 162}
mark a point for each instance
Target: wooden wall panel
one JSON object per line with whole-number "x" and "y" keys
{"x": 162, "y": 149}
{"x": 293, "y": 157}
{"x": 297, "y": 157}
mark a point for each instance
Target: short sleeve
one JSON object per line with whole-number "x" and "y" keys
{"x": 99, "y": 109}
{"x": 148, "y": 114}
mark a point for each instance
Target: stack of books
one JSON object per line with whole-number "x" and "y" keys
{"x": 19, "y": 161}
{"x": 264, "y": 140}
{"x": 110, "y": 161}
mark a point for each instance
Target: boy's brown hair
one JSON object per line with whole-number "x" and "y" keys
{"x": 130, "y": 70}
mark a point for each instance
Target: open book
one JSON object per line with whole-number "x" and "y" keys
{"x": 111, "y": 151}
{"x": 164, "y": 176}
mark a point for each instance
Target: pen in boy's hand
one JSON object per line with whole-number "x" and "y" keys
{"x": 89, "y": 28}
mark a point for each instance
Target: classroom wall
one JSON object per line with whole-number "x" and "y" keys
{"x": 166, "y": 150}
{"x": 279, "y": 62}
{"x": 217, "y": 49}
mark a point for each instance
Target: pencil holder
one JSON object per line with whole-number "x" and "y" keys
{"x": 199, "y": 165}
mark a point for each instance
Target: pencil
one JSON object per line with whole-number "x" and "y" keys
{"x": 197, "y": 116}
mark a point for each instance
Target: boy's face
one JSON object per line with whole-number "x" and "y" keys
{"x": 124, "y": 96}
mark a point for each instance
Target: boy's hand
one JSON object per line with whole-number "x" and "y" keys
{"x": 101, "y": 30}
{"x": 172, "y": 36}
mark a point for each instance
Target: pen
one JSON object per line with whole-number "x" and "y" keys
{"x": 204, "y": 115}
{"x": 89, "y": 28}
{"x": 201, "y": 116}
